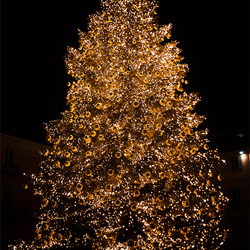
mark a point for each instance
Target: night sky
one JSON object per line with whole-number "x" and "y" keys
{"x": 214, "y": 39}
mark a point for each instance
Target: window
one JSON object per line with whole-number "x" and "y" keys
{"x": 7, "y": 197}
{"x": 236, "y": 163}
{"x": 238, "y": 227}
{"x": 9, "y": 157}
{"x": 236, "y": 197}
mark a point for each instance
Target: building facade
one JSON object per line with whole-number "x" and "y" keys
{"x": 236, "y": 187}
{"x": 18, "y": 204}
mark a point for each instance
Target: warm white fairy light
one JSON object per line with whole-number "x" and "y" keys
{"x": 128, "y": 167}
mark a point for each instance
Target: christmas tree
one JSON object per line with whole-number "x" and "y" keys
{"x": 128, "y": 167}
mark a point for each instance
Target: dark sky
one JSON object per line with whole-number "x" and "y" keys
{"x": 214, "y": 38}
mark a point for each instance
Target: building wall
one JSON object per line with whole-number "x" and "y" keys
{"x": 236, "y": 187}
{"x": 18, "y": 205}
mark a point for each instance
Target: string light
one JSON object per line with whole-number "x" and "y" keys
{"x": 128, "y": 166}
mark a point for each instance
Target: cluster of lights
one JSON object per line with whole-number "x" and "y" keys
{"x": 128, "y": 167}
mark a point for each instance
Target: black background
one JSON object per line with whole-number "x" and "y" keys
{"x": 214, "y": 37}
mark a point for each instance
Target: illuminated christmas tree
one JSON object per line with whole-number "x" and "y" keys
{"x": 127, "y": 167}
